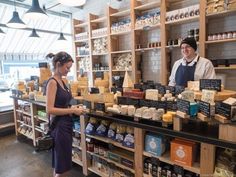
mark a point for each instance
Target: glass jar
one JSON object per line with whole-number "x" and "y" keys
{"x": 234, "y": 34}
{"x": 229, "y": 35}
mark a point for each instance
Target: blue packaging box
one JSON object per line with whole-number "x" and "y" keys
{"x": 155, "y": 144}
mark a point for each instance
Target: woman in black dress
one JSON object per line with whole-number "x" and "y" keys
{"x": 57, "y": 105}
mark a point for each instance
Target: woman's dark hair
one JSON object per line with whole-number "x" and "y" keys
{"x": 61, "y": 57}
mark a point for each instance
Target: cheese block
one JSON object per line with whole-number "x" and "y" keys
{"x": 167, "y": 118}
{"x": 113, "y": 110}
{"x": 124, "y": 109}
{"x": 146, "y": 114}
{"x": 193, "y": 85}
{"x": 151, "y": 94}
{"x": 231, "y": 101}
{"x": 208, "y": 96}
{"x": 188, "y": 95}
{"x": 131, "y": 110}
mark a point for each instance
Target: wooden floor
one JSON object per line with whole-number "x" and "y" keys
{"x": 18, "y": 159}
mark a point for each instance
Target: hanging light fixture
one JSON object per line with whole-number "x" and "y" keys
{"x": 15, "y": 21}
{"x": 2, "y": 32}
{"x": 61, "y": 37}
{"x": 72, "y": 2}
{"x": 34, "y": 34}
{"x": 35, "y": 12}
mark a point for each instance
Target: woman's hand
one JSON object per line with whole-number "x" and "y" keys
{"x": 77, "y": 110}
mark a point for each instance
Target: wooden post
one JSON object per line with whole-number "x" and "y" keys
{"x": 138, "y": 151}
{"x": 178, "y": 123}
{"x": 33, "y": 111}
{"x": 207, "y": 160}
{"x": 83, "y": 145}
{"x": 15, "y": 106}
{"x": 227, "y": 132}
{"x": 202, "y": 28}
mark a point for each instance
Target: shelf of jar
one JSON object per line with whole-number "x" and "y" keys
{"x": 146, "y": 49}
{"x": 99, "y": 54}
{"x": 23, "y": 112}
{"x": 166, "y": 158}
{"x": 121, "y": 51}
{"x": 150, "y": 5}
{"x": 85, "y": 71}
{"x": 147, "y": 28}
{"x": 221, "y": 14}
{"x": 81, "y": 25}
{"x": 22, "y": 123}
{"x": 82, "y": 56}
{"x": 37, "y": 128}
{"x": 225, "y": 68}
{"x": 95, "y": 71}
{"x": 97, "y": 172}
{"x": 115, "y": 70}
{"x": 97, "y": 37}
{"x": 45, "y": 119}
{"x": 76, "y": 146}
{"x": 77, "y": 161}
{"x": 81, "y": 40}
{"x": 121, "y": 13}
{"x": 26, "y": 134}
{"x": 221, "y": 41}
{"x": 121, "y": 33}
{"x": 99, "y": 20}
{"x": 183, "y": 20}
{"x": 111, "y": 161}
{"x": 109, "y": 141}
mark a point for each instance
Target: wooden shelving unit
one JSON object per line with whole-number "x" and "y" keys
{"x": 221, "y": 41}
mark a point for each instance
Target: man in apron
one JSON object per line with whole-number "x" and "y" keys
{"x": 191, "y": 67}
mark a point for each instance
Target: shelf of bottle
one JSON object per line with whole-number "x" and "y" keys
{"x": 98, "y": 37}
{"x": 45, "y": 119}
{"x": 30, "y": 137}
{"x": 109, "y": 141}
{"x": 37, "y": 128}
{"x": 121, "y": 13}
{"x": 146, "y": 49}
{"x": 81, "y": 40}
{"x": 121, "y": 51}
{"x": 146, "y": 28}
{"x": 82, "y": 56}
{"x": 99, "y": 20}
{"x": 24, "y": 124}
{"x": 115, "y": 70}
{"x": 81, "y": 25}
{"x": 76, "y": 146}
{"x": 221, "y": 41}
{"x": 99, "y": 54}
{"x": 121, "y": 33}
{"x": 95, "y": 71}
{"x": 150, "y": 5}
{"x": 97, "y": 172}
{"x": 183, "y": 20}
{"x": 221, "y": 14}
{"x": 111, "y": 161}
{"x": 23, "y": 112}
{"x": 77, "y": 161}
{"x": 166, "y": 158}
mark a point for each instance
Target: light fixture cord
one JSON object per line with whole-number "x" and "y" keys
{"x": 15, "y": 4}
{"x": 60, "y": 23}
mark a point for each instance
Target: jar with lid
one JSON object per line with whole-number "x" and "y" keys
{"x": 214, "y": 37}
{"x": 219, "y": 36}
{"x": 234, "y": 34}
{"x": 229, "y": 35}
{"x": 210, "y": 37}
{"x": 224, "y": 35}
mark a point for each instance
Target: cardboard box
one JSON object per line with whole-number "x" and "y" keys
{"x": 183, "y": 152}
{"x": 155, "y": 144}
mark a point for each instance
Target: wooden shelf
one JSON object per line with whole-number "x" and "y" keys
{"x": 166, "y": 158}
{"x": 99, "y": 54}
{"x": 121, "y": 33}
{"x": 147, "y": 6}
{"x": 97, "y": 37}
{"x": 97, "y": 172}
{"x": 147, "y": 28}
{"x": 30, "y": 137}
{"x": 37, "y": 128}
{"x": 95, "y": 71}
{"x": 182, "y": 21}
{"x": 111, "y": 161}
{"x": 114, "y": 70}
{"x": 225, "y": 68}
{"x": 77, "y": 161}
{"x": 82, "y": 25}
{"x": 121, "y": 51}
{"x": 121, "y": 13}
{"x": 147, "y": 49}
{"x": 45, "y": 119}
{"x": 7, "y": 125}
{"x": 109, "y": 141}
{"x": 23, "y": 112}
{"x": 21, "y": 122}
{"x": 82, "y": 40}
{"x": 76, "y": 131}
{"x": 73, "y": 145}
{"x": 221, "y": 14}
{"x": 82, "y": 56}
{"x": 221, "y": 41}
{"x": 99, "y": 20}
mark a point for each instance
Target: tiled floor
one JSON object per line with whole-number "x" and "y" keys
{"x": 18, "y": 159}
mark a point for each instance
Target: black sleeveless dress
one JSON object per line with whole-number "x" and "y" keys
{"x": 62, "y": 134}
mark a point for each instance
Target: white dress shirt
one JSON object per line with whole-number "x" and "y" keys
{"x": 204, "y": 69}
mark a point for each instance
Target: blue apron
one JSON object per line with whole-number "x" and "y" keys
{"x": 185, "y": 74}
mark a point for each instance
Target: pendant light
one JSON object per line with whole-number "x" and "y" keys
{"x": 15, "y": 21}
{"x": 34, "y": 34}
{"x": 72, "y": 2}
{"x": 35, "y": 12}
{"x": 61, "y": 37}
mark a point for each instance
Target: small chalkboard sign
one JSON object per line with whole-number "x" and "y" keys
{"x": 179, "y": 89}
{"x": 210, "y": 84}
{"x": 138, "y": 86}
{"x": 171, "y": 105}
{"x": 133, "y": 101}
{"x": 94, "y": 90}
{"x": 99, "y": 74}
{"x": 205, "y": 108}
{"x": 156, "y": 85}
{"x": 183, "y": 106}
{"x": 162, "y": 89}
{"x": 144, "y": 102}
{"x": 122, "y": 100}
{"x": 171, "y": 89}
{"x": 99, "y": 107}
{"x": 154, "y": 104}
{"x": 223, "y": 109}
{"x": 162, "y": 105}
{"x": 88, "y": 104}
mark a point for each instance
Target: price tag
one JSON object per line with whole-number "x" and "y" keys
{"x": 210, "y": 84}
{"x": 88, "y": 104}
{"x": 183, "y": 106}
{"x": 223, "y": 109}
{"x": 205, "y": 108}
{"x": 122, "y": 100}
